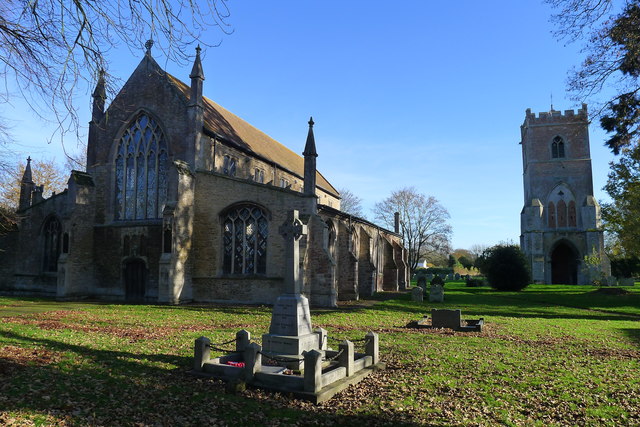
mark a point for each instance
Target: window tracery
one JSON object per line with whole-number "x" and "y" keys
{"x": 572, "y": 214}
{"x": 562, "y": 213}
{"x": 229, "y": 165}
{"x": 551, "y": 215}
{"x": 52, "y": 241}
{"x": 258, "y": 175}
{"x": 141, "y": 171}
{"x": 245, "y": 232}
{"x": 557, "y": 148}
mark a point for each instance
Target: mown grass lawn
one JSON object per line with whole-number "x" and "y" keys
{"x": 550, "y": 355}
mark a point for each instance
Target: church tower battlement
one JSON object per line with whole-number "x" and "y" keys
{"x": 560, "y": 220}
{"x": 546, "y": 117}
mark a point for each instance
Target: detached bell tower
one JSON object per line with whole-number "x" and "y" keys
{"x": 560, "y": 222}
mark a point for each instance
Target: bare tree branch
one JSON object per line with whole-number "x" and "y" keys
{"x": 49, "y": 47}
{"x": 423, "y": 223}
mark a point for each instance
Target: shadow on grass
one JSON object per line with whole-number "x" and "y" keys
{"x": 22, "y": 306}
{"x": 87, "y": 386}
{"x": 481, "y": 302}
{"x": 633, "y": 335}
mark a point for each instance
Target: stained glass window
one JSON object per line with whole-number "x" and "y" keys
{"x": 52, "y": 231}
{"x": 141, "y": 171}
{"x": 245, "y": 230}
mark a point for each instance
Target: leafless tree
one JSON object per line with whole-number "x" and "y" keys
{"x": 350, "y": 203}
{"x": 49, "y": 48}
{"x": 609, "y": 35}
{"x": 423, "y": 223}
{"x": 477, "y": 249}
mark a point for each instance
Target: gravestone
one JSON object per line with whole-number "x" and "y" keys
{"x": 456, "y": 276}
{"x": 626, "y": 281}
{"x": 436, "y": 293}
{"x": 612, "y": 281}
{"x": 446, "y": 318}
{"x": 417, "y": 294}
{"x": 422, "y": 283}
{"x": 429, "y": 277}
{"x": 290, "y": 331}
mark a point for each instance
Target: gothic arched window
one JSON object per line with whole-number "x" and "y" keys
{"x": 141, "y": 171}
{"x": 245, "y": 230}
{"x": 331, "y": 239}
{"x": 229, "y": 165}
{"x": 52, "y": 231}
{"x": 551, "y": 215}
{"x": 572, "y": 214}
{"x": 557, "y": 148}
{"x": 562, "y": 214}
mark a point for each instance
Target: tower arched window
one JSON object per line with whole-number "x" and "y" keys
{"x": 141, "y": 171}
{"x": 572, "y": 214}
{"x": 245, "y": 230}
{"x": 52, "y": 231}
{"x": 557, "y": 148}
{"x": 551, "y": 215}
{"x": 562, "y": 213}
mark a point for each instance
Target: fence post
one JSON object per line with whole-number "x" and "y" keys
{"x": 252, "y": 361}
{"x": 346, "y": 359}
{"x": 322, "y": 338}
{"x": 312, "y": 371}
{"x": 201, "y": 353}
{"x": 243, "y": 338}
{"x": 371, "y": 347}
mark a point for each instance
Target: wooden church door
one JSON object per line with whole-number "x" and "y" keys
{"x": 135, "y": 278}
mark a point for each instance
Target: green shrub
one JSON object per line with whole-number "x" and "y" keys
{"x": 506, "y": 268}
{"x": 437, "y": 280}
{"x": 420, "y": 271}
{"x": 625, "y": 267}
{"x": 443, "y": 271}
{"x": 465, "y": 262}
{"x": 475, "y": 282}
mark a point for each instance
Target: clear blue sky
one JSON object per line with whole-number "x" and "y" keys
{"x": 411, "y": 93}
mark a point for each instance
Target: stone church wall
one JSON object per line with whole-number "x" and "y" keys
{"x": 347, "y": 263}
{"x": 246, "y": 165}
{"x": 28, "y": 269}
{"x": 215, "y": 193}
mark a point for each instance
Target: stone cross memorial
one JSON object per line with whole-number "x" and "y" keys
{"x": 290, "y": 332}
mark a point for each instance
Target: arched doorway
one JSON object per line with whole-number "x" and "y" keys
{"x": 135, "y": 279}
{"x": 564, "y": 265}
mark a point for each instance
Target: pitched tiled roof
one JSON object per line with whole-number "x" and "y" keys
{"x": 232, "y": 128}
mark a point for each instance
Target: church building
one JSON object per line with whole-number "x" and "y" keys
{"x": 560, "y": 220}
{"x": 181, "y": 201}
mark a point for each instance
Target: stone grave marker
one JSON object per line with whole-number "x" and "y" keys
{"x": 436, "y": 293}
{"x": 422, "y": 283}
{"x": 417, "y": 294}
{"x": 626, "y": 281}
{"x": 290, "y": 332}
{"x": 443, "y": 318}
